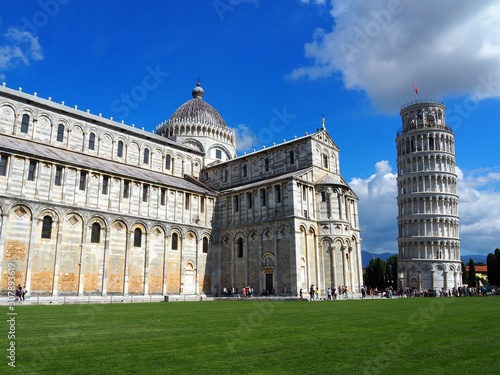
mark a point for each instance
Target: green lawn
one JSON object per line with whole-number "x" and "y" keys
{"x": 425, "y": 335}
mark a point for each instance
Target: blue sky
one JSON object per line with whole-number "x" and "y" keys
{"x": 271, "y": 68}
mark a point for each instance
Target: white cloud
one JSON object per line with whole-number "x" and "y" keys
{"x": 246, "y": 139}
{"x": 479, "y": 209}
{"x": 446, "y": 47}
{"x": 317, "y": 2}
{"x": 378, "y": 209}
{"x": 22, "y": 47}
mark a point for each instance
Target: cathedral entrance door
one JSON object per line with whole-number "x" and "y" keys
{"x": 189, "y": 282}
{"x": 269, "y": 282}
{"x": 189, "y": 279}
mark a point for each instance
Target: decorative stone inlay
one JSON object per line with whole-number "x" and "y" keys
{"x": 73, "y": 220}
{"x": 20, "y": 211}
{"x": 283, "y": 232}
{"x": 119, "y": 226}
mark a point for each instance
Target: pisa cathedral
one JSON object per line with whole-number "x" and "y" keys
{"x": 90, "y": 206}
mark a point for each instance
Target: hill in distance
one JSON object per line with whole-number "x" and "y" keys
{"x": 366, "y": 256}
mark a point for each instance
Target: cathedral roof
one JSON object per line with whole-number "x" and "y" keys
{"x": 197, "y": 112}
{"x": 329, "y": 180}
{"x": 97, "y": 164}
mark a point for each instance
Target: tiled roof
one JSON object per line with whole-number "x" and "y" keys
{"x": 481, "y": 269}
{"x": 80, "y": 160}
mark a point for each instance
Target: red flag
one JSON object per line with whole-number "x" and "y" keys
{"x": 415, "y": 86}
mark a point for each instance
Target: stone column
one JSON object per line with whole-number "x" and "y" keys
{"x": 419, "y": 280}
{"x": 127, "y": 261}
{"x": 31, "y": 246}
{"x": 84, "y": 140}
{"x": 344, "y": 266}
{"x": 99, "y": 141}
{"x": 340, "y": 205}
{"x": 146, "y": 263}
{"x": 165, "y": 264}
{"x": 276, "y": 265}
{"x": 25, "y": 175}
{"x": 35, "y": 121}
{"x": 334, "y": 271}
{"x": 106, "y": 263}
{"x": 360, "y": 267}
{"x": 3, "y": 231}
{"x": 68, "y": 140}
{"x": 233, "y": 263}
{"x": 351, "y": 271}
{"x": 16, "y": 118}
{"x": 199, "y": 245}
{"x": 100, "y": 178}
{"x": 52, "y": 177}
{"x": 432, "y": 280}
{"x": 247, "y": 262}
{"x": 8, "y": 172}
{"x": 81, "y": 264}
{"x": 183, "y": 242}
{"x": 56, "y": 258}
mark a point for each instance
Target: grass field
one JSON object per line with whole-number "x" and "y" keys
{"x": 425, "y": 335}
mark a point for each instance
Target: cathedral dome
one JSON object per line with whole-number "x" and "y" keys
{"x": 197, "y": 112}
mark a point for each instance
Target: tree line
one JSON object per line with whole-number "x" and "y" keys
{"x": 493, "y": 264}
{"x": 383, "y": 274}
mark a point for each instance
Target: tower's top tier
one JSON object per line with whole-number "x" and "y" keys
{"x": 422, "y": 114}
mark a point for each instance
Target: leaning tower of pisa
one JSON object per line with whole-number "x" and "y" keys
{"x": 428, "y": 241}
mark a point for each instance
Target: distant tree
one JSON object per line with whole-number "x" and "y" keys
{"x": 392, "y": 262}
{"x": 375, "y": 273}
{"x": 472, "y": 274}
{"x": 387, "y": 275}
{"x": 497, "y": 255}
{"x": 491, "y": 263}
{"x": 465, "y": 274}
